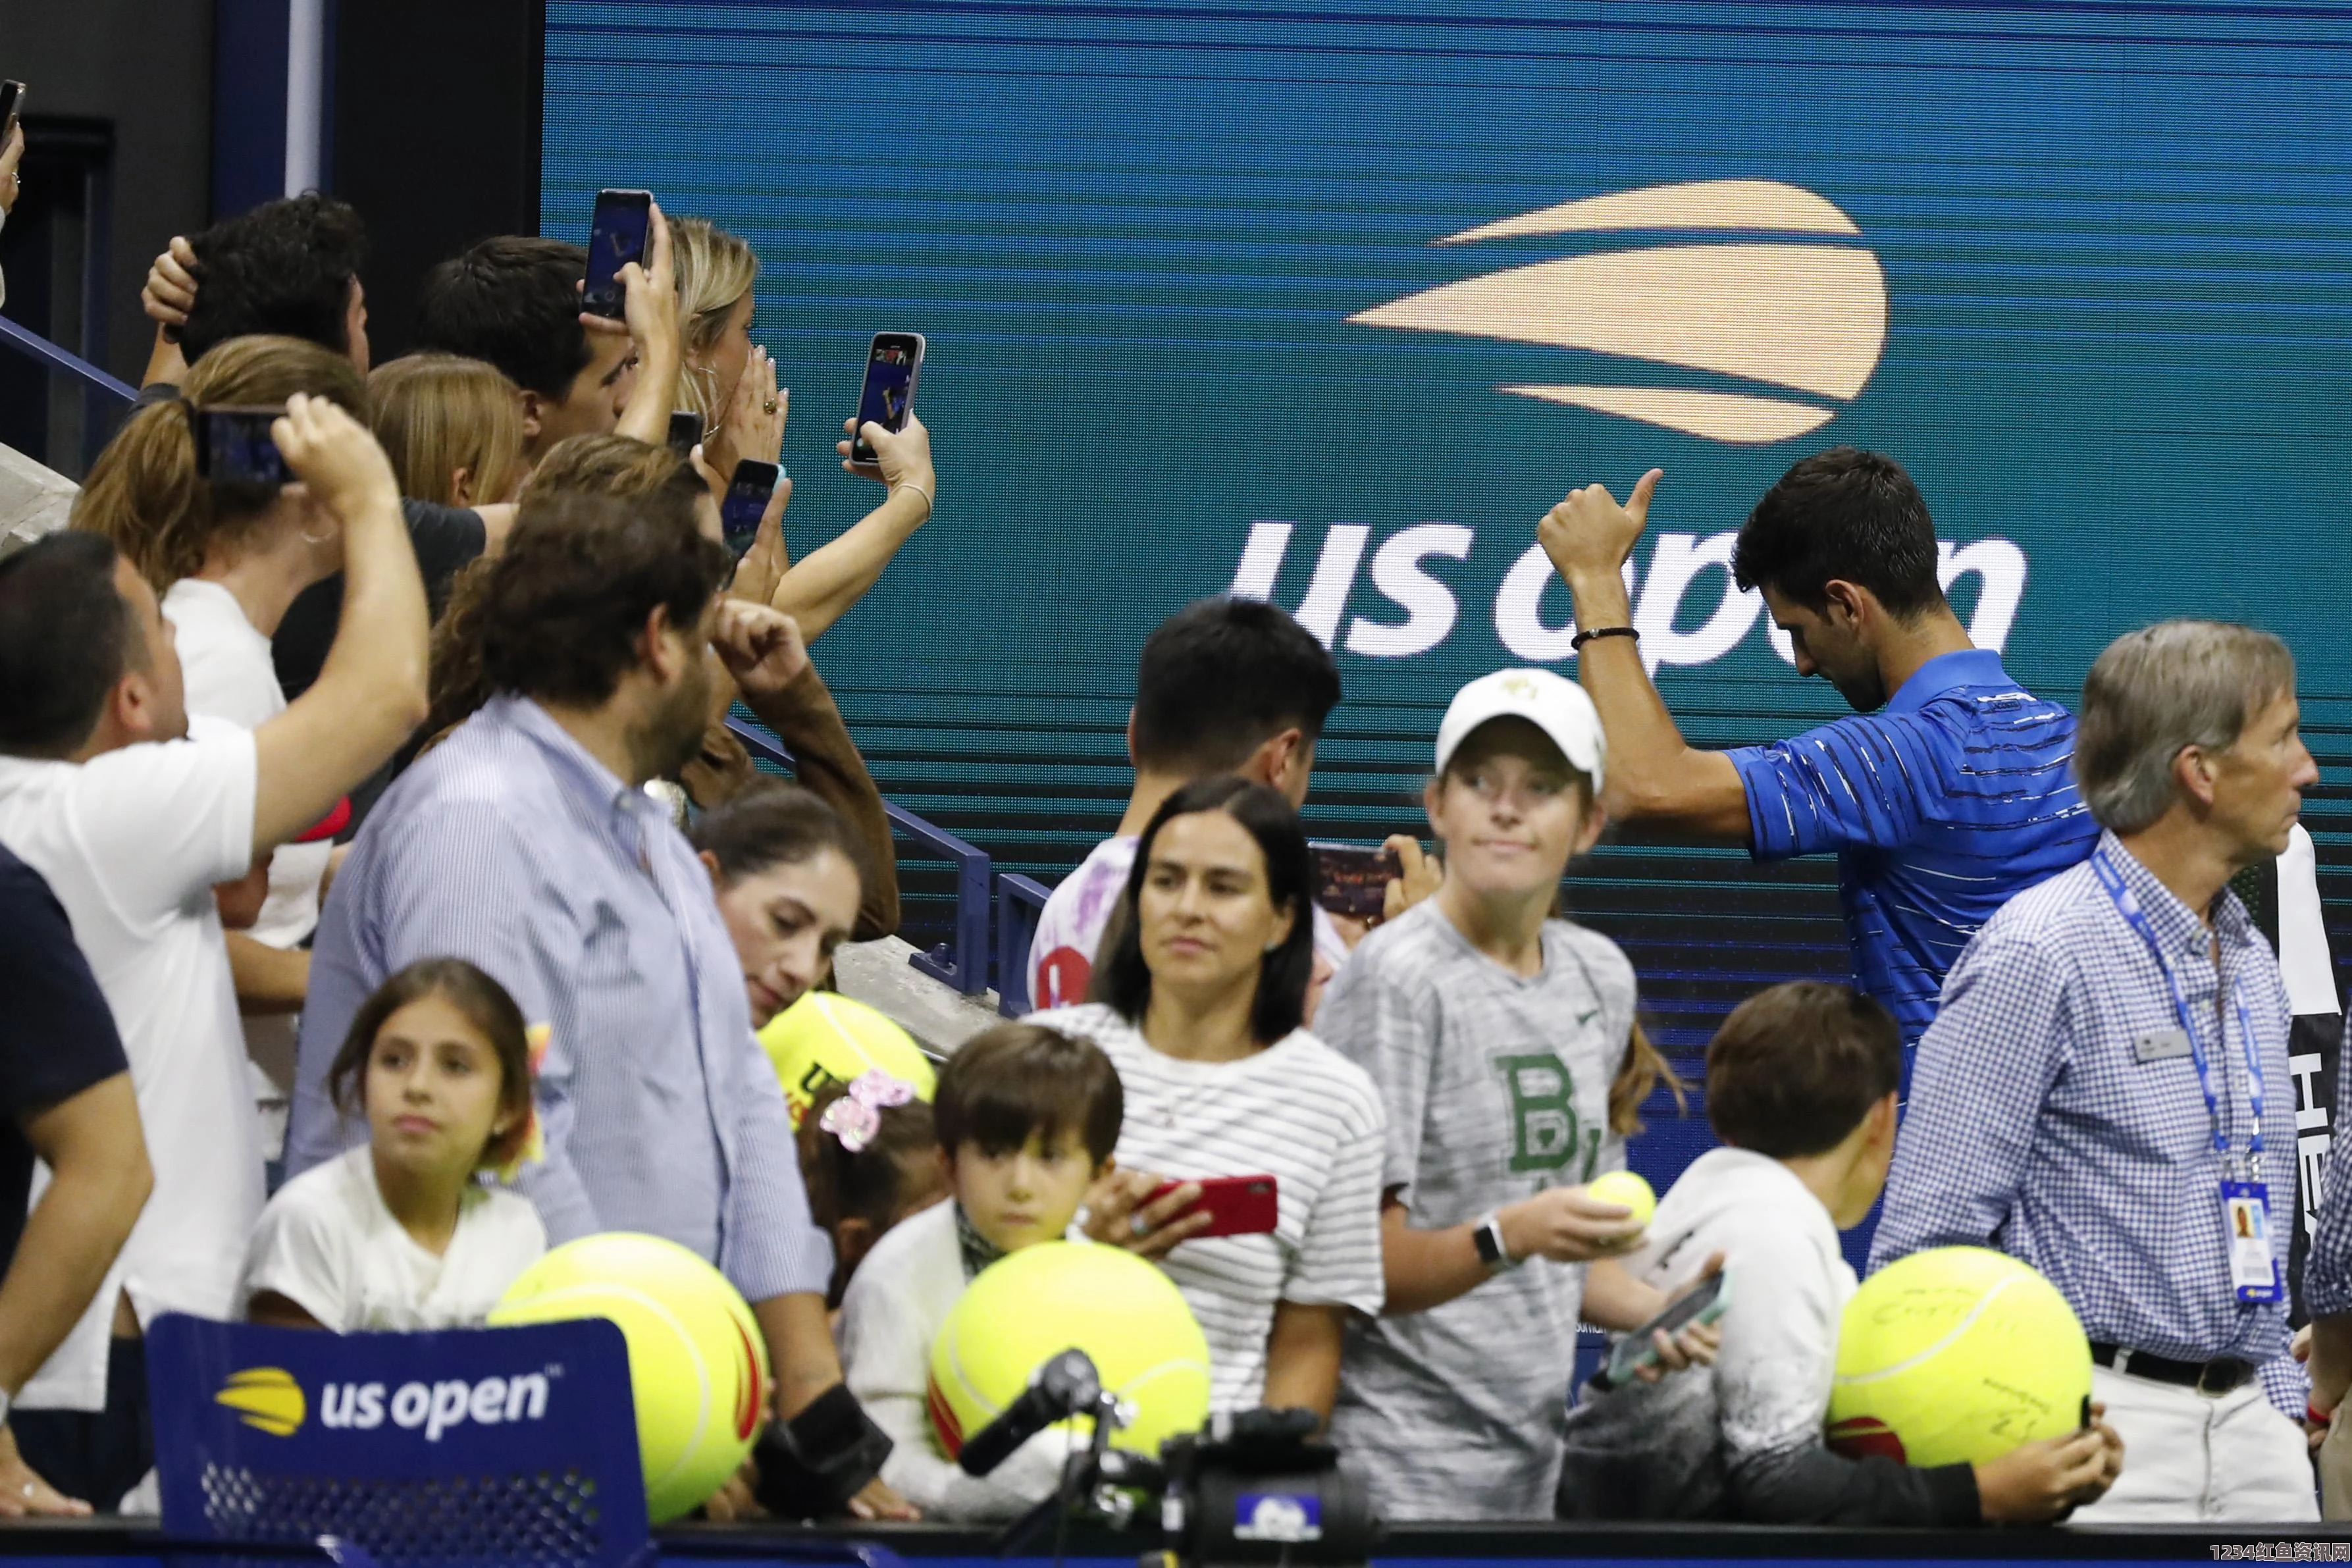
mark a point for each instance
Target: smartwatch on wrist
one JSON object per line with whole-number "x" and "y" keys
{"x": 1487, "y": 1236}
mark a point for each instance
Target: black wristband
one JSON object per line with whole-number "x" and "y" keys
{"x": 1577, "y": 642}
{"x": 811, "y": 1466}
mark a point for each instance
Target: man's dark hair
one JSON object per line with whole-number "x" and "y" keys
{"x": 284, "y": 268}
{"x": 515, "y": 301}
{"x": 1795, "y": 1068}
{"x": 1218, "y": 678}
{"x": 66, "y": 638}
{"x": 564, "y": 604}
{"x": 1844, "y": 514}
{"x": 1009, "y": 1083}
{"x": 1122, "y": 976}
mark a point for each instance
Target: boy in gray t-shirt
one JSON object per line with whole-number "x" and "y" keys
{"x": 1504, "y": 1045}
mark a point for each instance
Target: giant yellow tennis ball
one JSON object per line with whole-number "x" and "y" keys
{"x": 1625, "y": 1187}
{"x": 828, "y": 1038}
{"x": 697, "y": 1363}
{"x": 1031, "y": 1306}
{"x": 1957, "y": 1354}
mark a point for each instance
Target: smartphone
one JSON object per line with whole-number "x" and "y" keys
{"x": 1353, "y": 880}
{"x": 1238, "y": 1206}
{"x": 747, "y": 502}
{"x": 617, "y": 234}
{"x": 234, "y": 446}
{"x": 893, "y": 363}
{"x": 1634, "y": 1352}
{"x": 685, "y": 431}
{"x": 12, "y": 102}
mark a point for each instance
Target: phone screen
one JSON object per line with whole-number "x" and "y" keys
{"x": 12, "y": 102}
{"x": 685, "y": 431}
{"x": 1634, "y": 1351}
{"x": 617, "y": 234}
{"x": 1353, "y": 880}
{"x": 891, "y": 365}
{"x": 747, "y": 502}
{"x": 234, "y": 446}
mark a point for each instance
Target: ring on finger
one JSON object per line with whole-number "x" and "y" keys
{"x": 769, "y": 407}
{"x": 1137, "y": 1224}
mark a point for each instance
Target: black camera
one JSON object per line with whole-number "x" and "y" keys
{"x": 1254, "y": 1486}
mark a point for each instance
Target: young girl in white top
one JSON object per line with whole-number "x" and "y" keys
{"x": 401, "y": 1233}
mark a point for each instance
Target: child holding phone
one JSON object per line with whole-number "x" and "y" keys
{"x": 1800, "y": 1086}
{"x": 1505, "y": 1047}
{"x": 1027, "y": 1117}
{"x": 401, "y": 1233}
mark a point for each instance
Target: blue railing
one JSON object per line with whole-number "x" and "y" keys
{"x": 963, "y": 961}
{"x": 1019, "y": 901}
{"x": 31, "y": 342}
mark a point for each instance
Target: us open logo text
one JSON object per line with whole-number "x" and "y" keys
{"x": 269, "y": 1399}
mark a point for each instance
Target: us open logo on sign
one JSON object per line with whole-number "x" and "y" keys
{"x": 1776, "y": 319}
{"x": 268, "y": 1399}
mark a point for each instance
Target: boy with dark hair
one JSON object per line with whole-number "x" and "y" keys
{"x": 1027, "y": 1119}
{"x": 289, "y": 268}
{"x": 1948, "y": 792}
{"x": 1225, "y": 686}
{"x": 514, "y": 301}
{"x": 1800, "y": 1086}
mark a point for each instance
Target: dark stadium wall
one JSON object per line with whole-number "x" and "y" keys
{"x": 130, "y": 80}
{"x": 435, "y": 136}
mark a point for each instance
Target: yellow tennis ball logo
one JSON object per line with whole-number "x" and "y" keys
{"x": 824, "y": 1038}
{"x": 266, "y": 1397}
{"x": 1957, "y": 1355}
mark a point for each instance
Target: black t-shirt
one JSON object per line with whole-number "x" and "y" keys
{"x": 445, "y": 537}
{"x": 57, "y": 1036}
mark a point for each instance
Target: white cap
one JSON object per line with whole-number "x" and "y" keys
{"x": 1552, "y": 703}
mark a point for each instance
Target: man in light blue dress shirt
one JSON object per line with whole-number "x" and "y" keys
{"x": 2104, "y": 1093}
{"x": 525, "y": 843}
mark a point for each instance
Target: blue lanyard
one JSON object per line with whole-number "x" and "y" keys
{"x": 2128, "y": 905}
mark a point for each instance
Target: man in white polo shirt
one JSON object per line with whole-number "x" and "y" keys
{"x": 131, "y": 820}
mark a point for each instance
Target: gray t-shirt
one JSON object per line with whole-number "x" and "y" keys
{"x": 1497, "y": 1086}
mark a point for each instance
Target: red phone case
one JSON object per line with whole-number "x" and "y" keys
{"x": 1240, "y": 1205}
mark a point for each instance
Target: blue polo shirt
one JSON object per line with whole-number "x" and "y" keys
{"x": 1941, "y": 807}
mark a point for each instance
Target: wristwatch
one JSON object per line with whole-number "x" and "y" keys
{"x": 1487, "y": 1236}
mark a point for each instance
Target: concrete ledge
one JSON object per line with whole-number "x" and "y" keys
{"x": 34, "y": 499}
{"x": 940, "y": 1020}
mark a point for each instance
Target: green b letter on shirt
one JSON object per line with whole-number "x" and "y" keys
{"x": 1543, "y": 1110}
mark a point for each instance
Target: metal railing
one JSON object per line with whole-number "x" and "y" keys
{"x": 100, "y": 393}
{"x": 1020, "y": 900}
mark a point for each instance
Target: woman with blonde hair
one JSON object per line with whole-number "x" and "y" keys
{"x": 452, "y": 427}
{"x": 727, "y": 380}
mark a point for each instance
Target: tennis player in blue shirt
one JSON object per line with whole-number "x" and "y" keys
{"x": 1944, "y": 796}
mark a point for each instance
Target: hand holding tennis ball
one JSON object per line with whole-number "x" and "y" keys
{"x": 1628, "y": 1191}
{"x": 1580, "y": 1225}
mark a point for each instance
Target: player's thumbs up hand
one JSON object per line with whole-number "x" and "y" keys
{"x": 1589, "y": 535}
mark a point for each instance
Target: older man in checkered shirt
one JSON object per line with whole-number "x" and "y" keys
{"x": 2104, "y": 1093}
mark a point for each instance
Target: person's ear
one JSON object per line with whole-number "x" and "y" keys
{"x": 711, "y": 864}
{"x": 533, "y": 409}
{"x": 355, "y": 318}
{"x": 461, "y": 486}
{"x": 1589, "y": 826}
{"x": 1885, "y": 1117}
{"x": 131, "y": 706}
{"x": 1432, "y": 805}
{"x": 1271, "y": 764}
{"x": 1847, "y": 604}
{"x": 2192, "y": 769}
{"x": 655, "y": 652}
